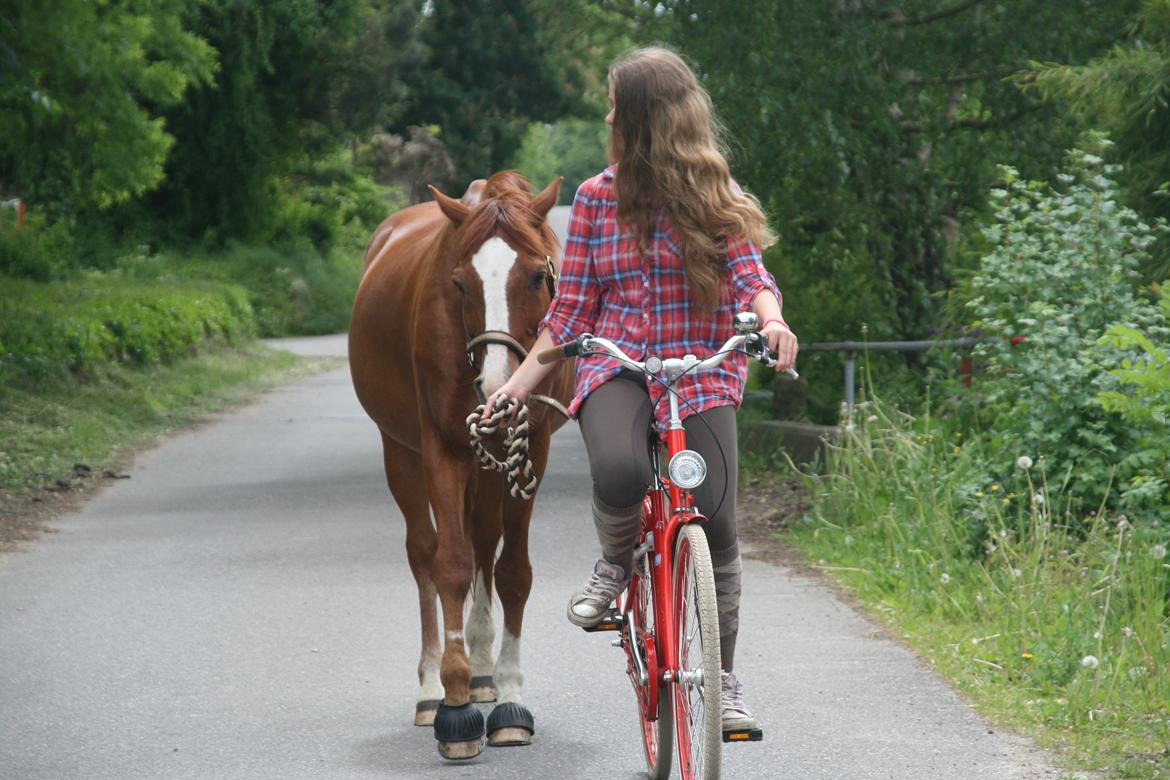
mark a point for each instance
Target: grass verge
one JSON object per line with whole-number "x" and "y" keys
{"x": 60, "y": 441}
{"x": 1055, "y": 625}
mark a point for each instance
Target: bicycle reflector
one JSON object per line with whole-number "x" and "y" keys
{"x": 687, "y": 469}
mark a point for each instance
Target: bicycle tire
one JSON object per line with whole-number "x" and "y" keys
{"x": 657, "y": 735}
{"x": 698, "y": 701}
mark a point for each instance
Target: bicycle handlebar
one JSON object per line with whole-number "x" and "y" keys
{"x": 586, "y": 343}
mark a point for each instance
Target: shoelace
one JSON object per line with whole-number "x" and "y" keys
{"x": 732, "y": 693}
{"x": 597, "y": 586}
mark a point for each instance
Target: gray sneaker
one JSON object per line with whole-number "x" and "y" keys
{"x": 587, "y": 607}
{"x": 735, "y": 715}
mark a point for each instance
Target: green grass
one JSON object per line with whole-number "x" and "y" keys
{"x": 45, "y": 432}
{"x": 1055, "y": 623}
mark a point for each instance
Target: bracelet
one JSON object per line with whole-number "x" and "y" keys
{"x": 775, "y": 319}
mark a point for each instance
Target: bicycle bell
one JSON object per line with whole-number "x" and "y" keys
{"x": 746, "y": 322}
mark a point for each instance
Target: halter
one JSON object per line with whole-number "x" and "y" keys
{"x": 504, "y": 338}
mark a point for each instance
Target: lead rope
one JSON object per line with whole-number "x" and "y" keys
{"x": 517, "y": 465}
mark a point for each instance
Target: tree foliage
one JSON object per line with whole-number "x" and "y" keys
{"x": 489, "y": 73}
{"x": 1126, "y": 92}
{"x": 295, "y": 77}
{"x": 81, "y": 89}
{"x": 868, "y": 129}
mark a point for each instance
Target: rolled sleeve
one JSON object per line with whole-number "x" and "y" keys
{"x": 748, "y": 273}
{"x": 575, "y": 308}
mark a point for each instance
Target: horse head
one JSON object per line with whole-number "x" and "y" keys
{"x": 503, "y": 273}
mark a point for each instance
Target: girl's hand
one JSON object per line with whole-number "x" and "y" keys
{"x": 783, "y": 342}
{"x": 511, "y": 389}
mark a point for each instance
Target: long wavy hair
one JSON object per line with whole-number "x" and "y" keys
{"x": 668, "y": 147}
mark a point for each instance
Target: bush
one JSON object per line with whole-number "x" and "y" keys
{"x": 75, "y": 328}
{"x": 1063, "y": 269}
{"x": 990, "y": 575}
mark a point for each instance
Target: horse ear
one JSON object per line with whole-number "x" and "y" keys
{"x": 544, "y": 202}
{"x": 455, "y": 210}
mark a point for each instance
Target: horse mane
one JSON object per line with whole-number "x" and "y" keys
{"x": 505, "y": 209}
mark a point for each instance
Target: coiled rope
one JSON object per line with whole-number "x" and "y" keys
{"x": 516, "y": 465}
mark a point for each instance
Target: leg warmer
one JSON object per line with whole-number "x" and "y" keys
{"x": 728, "y": 568}
{"x": 617, "y": 530}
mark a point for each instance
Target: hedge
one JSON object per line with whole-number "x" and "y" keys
{"x": 74, "y": 328}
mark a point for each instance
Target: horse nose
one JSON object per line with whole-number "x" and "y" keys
{"x": 479, "y": 390}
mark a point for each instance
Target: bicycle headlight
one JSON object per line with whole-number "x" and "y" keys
{"x": 687, "y": 469}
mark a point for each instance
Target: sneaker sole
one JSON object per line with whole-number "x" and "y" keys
{"x": 740, "y": 724}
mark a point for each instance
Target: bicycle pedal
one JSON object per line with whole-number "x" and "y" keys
{"x": 611, "y": 622}
{"x": 743, "y": 735}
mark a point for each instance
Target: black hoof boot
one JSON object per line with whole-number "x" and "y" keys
{"x": 460, "y": 731}
{"x": 510, "y": 724}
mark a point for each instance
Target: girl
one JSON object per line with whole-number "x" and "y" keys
{"x": 663, "y": 249}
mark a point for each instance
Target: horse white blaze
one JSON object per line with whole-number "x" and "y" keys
{"x": 481, "y": 632}
{"x": 508, "y": 676}
{"x": 492, "y": 262}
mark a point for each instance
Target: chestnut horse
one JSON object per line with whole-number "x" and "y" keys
{"x": 450, "y": 299}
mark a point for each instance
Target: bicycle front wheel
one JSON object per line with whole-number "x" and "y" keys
{"x": 698, "y": 703}
{"x": 657, "y": 733}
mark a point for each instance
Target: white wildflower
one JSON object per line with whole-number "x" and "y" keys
{"x": 871, "y": 418}
{"x": 1158, "y": 551}
{"x": 1089, "y": 662}
{"x": 1024, "y": 462}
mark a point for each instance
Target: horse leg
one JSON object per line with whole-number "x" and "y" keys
{"x": 486, "y": 520}
{"x": 459, "y": 727}
{"x": 405, "y": 478}
{"x": 511, "y": 723}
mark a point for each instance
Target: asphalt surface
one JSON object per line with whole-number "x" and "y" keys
{"x": 242, "y": 608}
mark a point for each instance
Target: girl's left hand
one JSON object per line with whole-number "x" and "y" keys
{"x": 783, "y": 342}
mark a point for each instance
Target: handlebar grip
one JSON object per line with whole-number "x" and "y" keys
{"x": 551, "y": 355}
{"x": 564, "y": 351}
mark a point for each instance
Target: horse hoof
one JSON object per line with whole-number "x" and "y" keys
{"x": 424, "y": 712}
{"x": 510, "y": 724}
{"x": 460, "y": 731}
{"x": 461, "y": 751}
{"x": 483, "y": 689}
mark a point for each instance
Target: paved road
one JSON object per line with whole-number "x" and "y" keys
{"x": 242, "y": 608}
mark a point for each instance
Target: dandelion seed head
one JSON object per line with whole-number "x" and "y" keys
{"x": 945, "y": 578}
{"x": 1089, "y": 662}
{"x": 1037, "y": 498}
{"x": 1126, "y": 632}
{"x": 1024, "y": 462}
{"x": 871, "y": 418}
{"x": 1158, "y": 551}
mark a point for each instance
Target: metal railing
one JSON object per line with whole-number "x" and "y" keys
{"x": 851, "y": 348}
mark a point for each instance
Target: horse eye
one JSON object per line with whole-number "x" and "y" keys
{"x": 459, "y": 286}
{"x": 538, "y": 279}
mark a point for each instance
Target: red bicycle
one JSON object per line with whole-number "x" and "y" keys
{"x": 668, "y": 618}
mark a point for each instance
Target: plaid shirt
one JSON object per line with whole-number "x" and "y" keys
{"x": 643, "y": 304}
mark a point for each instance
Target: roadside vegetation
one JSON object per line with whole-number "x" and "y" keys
{"x": 1015, "y": 531}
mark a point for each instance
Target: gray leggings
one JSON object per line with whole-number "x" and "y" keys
{"x": 615, "y": 421}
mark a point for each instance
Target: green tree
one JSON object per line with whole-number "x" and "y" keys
{"x": 868, "y": 131}
{"x": 296, "y": 78}
{"x": 81, "y": 89}
{"x": 490, "y": 73}
{"x": 1126, "y": 92}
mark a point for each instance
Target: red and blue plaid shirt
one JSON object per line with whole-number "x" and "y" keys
{"x": 643, "y": 303}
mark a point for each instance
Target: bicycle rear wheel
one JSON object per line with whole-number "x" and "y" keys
{"x": 698, "y": 692}
{"x": 657, "y": 734}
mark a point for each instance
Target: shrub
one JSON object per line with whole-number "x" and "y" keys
{"x": 1062, "y": 270}
{"x": 74, "y": 328}
{"x": 1144, "y": 403}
